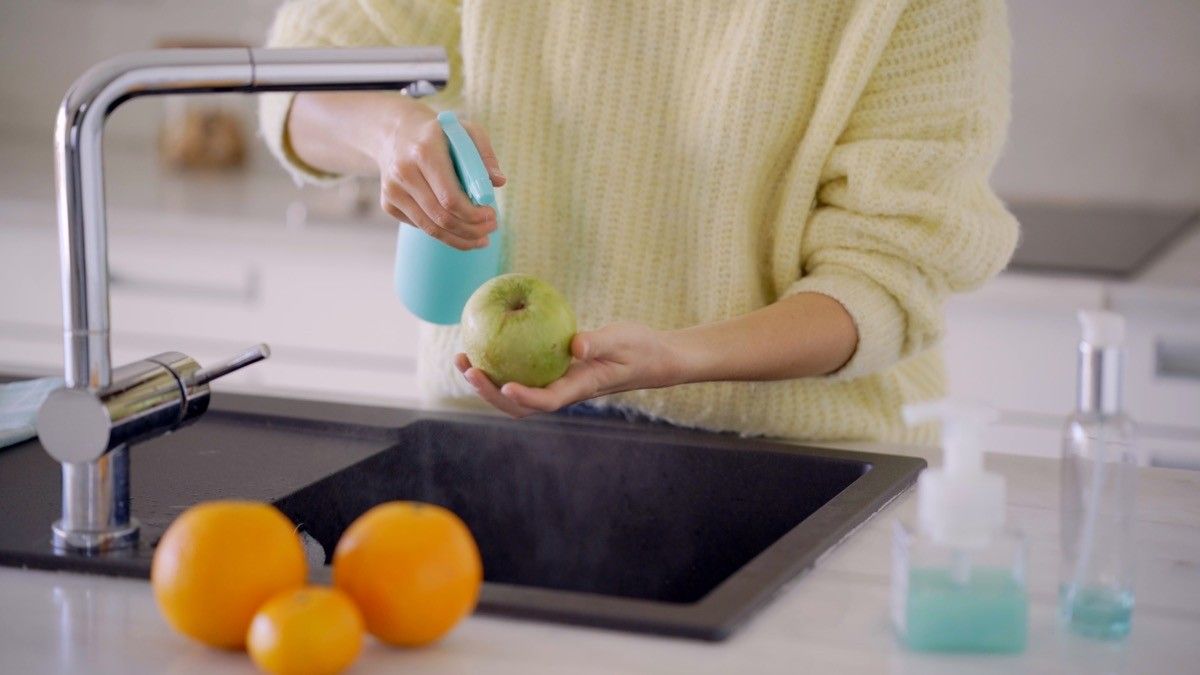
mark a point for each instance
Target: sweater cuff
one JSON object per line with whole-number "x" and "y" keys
{"x": 877, "y": 316}
{"x": 273, "y": 111}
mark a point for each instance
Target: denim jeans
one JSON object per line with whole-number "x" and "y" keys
{"x": 586, "y": 409}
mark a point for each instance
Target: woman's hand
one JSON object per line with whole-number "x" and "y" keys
{"x": 418, "y": 184}
{"x": 619, "y": 357}
{"x": 802, "y": 335}
{"x": 359, "y": 133}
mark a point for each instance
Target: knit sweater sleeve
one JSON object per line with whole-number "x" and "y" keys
{"x": 355, "y": 23}
{"x": 903, "y": 214}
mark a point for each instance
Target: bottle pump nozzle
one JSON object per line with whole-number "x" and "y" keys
{"x": 958, "y": 504}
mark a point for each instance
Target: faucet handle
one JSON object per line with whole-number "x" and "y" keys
{"x": 252, "y": 355}
{"x": 147, "y": 398}
{"x": 193, "y": 380}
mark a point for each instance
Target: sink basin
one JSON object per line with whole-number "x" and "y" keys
{"x": 596, "y": 522}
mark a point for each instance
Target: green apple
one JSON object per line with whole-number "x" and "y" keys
{"x": 518, "y": 328}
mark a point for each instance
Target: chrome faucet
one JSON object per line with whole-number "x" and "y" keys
{"x": 89, "y": 424}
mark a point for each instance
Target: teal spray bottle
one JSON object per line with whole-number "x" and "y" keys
{"x": 434, "y": 279}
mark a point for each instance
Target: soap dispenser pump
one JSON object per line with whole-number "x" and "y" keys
{"x": 958, "y": 578}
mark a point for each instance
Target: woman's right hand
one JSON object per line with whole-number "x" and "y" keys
{"x": 418, "y": 184}
{"x": 360, "y": 132}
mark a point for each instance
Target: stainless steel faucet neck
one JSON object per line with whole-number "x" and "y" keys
{"x": 95, "y": 469}
{"x": 95, "y": 95}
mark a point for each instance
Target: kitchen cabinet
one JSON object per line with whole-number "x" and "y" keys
{"x": 320, "y": 295}
{"x": 1013, "y": 344}
{"x": 1163, "y": 368}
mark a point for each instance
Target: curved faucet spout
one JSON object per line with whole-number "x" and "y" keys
{"x": 157, "y": 395}
{"x": 78, "y": 150}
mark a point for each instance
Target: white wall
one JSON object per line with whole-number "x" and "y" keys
{"x": 46, "y": 44}
{"x": 1106, "y": 99}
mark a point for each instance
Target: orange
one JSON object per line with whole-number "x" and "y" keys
{"x": 311, "y": 631}
{"x": 413, "y": 570}
{"x": 218, "y": 563}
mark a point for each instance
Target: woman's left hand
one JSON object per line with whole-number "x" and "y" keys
{"x": 618, "y": 357}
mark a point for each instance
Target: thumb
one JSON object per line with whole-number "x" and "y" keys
{"x": 582, "y": 346}
{"x": 486, "y": 153}
{"x": 597, "y": 344}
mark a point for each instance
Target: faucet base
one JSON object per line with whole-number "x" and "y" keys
{"x": 95, "y": 505}
{"x": 98, "y": 541}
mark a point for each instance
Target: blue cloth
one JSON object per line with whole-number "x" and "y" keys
{"x": 19, "y": 403}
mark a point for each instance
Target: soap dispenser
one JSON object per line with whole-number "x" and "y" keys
{"x": 958, "y": 579}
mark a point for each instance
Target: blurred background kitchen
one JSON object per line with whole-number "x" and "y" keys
{"x": 212, "y": 248}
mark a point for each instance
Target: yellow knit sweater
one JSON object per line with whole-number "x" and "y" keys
{"x": 676, "y": 163}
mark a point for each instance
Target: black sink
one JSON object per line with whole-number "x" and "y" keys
{"x": 596, "y": 522}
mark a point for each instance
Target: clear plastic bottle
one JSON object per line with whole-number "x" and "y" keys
{"x": 958, "y": 578}
{"x": 1099, "y": 489}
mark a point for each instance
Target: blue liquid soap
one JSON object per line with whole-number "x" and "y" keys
{"x": 1103, "y": 613}
{"x": 986, "y": 613}
{"x": 958, "y": 578}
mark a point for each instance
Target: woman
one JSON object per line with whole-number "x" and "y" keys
{"x": 757, "y": 207}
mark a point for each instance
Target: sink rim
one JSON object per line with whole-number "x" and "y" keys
{"x": 742, "y": 594}
{"x": 713, "y": 617}
{"x": 739, "y": 596}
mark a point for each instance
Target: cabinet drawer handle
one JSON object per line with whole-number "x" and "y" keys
{"x": 245, "y": 291}
{"x": 1177, "y": 359}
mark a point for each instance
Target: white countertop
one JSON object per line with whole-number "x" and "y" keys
{"x": 833, "y": 619}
